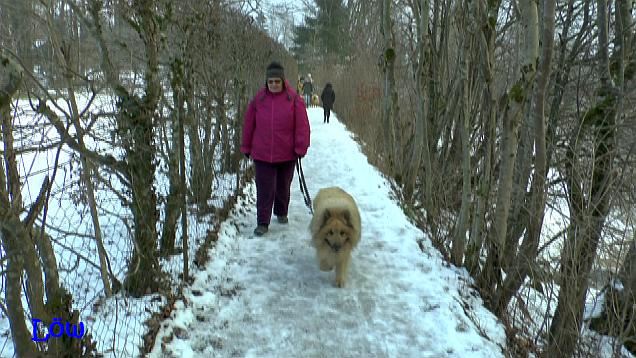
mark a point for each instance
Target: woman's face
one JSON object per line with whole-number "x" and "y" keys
{"x": 275, "y": 85}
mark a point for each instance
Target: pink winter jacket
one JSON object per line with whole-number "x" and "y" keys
{"x": 276, "y": 127}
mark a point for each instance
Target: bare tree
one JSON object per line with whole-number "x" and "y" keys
{"x": 514, "y": 108}
{"x": 27, "y": 247}
{"x": 11, "y": 228}
{"x": 63, "y": 57}
{"x": 496, "y": 115}
{"x": 459, "y": 236}
{"x": 590, "y": 197}
{"x": 486, "y": 15}
{"x": 524, "y": 261}
{"x": 420, "y": 153}
{"x": 136, "y": 129}
{"x": 391, "y": 107}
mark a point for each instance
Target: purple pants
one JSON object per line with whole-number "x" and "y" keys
{"x": 273, "y": 182}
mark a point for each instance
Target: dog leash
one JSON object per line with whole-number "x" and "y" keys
{"x": 303, "y": 185}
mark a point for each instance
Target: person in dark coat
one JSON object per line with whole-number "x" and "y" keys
{"x": 275, "y": 133}
{"x": 328, "y": 97}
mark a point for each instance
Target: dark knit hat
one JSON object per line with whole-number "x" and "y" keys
{"x": 275, "y": 70}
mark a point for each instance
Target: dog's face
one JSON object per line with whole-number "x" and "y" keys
{"x": 336, "y": 231}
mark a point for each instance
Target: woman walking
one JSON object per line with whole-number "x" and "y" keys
{"x": 275, "y": 133}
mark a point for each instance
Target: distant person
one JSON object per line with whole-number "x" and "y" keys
{"x": 275, "y": 134}
{"x": 300, "y": 84}
{"x": 328, "y": 97}
{"x": 308, "y": 89}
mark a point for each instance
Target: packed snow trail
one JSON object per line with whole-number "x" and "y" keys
{"x": 265, "y": 296}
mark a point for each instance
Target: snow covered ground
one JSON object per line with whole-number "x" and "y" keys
{"x": 266, "y": 297}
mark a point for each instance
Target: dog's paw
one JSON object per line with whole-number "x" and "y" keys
{"x": 324, "y": 266}
{"x": 340, "y": 282}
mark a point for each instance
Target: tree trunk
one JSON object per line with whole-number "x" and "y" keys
{"x": 491, "y": 276}
{"x": 389, "y": 115}
{"x": 135, "y": 126}
{"x": 11, "y": 79}
{"x": 577, "y": 257}
{"x": 172, "y": 209}
{"x": 519, "y": 204}
{"x": 487, "y": 35}
{"x": 65, "y": 61}
{"x": 240, "y": 98}
{"x": 421, "y": 147}
{"x": 201, "y": 150}
{"x": 524, "y": 261}
{"x": 618, "y": 318}
{"x": 173, "y": 206}
{"x": 143, "y": 268}
{"x": 16, "y": 242}
{"x": 137, "y": 119}
{"x": 459, "y": 236}
{"x": 183, "y": 186}
{"x": 104, "y": 266}
{"x": 22, "y": 343}
{"x": 225, "y": 138}
{"x": 590, "y": 211}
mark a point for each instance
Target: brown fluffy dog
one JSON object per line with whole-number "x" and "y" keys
{"x": 315, "y": 100}
{"x": 335, "y": 230}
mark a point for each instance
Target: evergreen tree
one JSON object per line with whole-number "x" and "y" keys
{"x": 323, "y": 37}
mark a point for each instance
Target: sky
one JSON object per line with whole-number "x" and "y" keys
{"x": 266, "y": 297}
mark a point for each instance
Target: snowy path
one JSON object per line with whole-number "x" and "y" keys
{"x": 265, "y": 297}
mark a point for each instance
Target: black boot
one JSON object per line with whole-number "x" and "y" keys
{"x": 260, "y": 230}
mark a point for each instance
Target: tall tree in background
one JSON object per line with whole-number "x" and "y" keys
{"x": 332, "y": 30}
{"x": 281, "y": 24}
{"x": 18, "y": 34}
{"x": 304, "y": 47}
{"x": 323, "y": 37}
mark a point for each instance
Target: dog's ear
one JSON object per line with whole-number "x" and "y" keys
{"x": 325, "y": 216}
{"x": 347, "y": 216}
